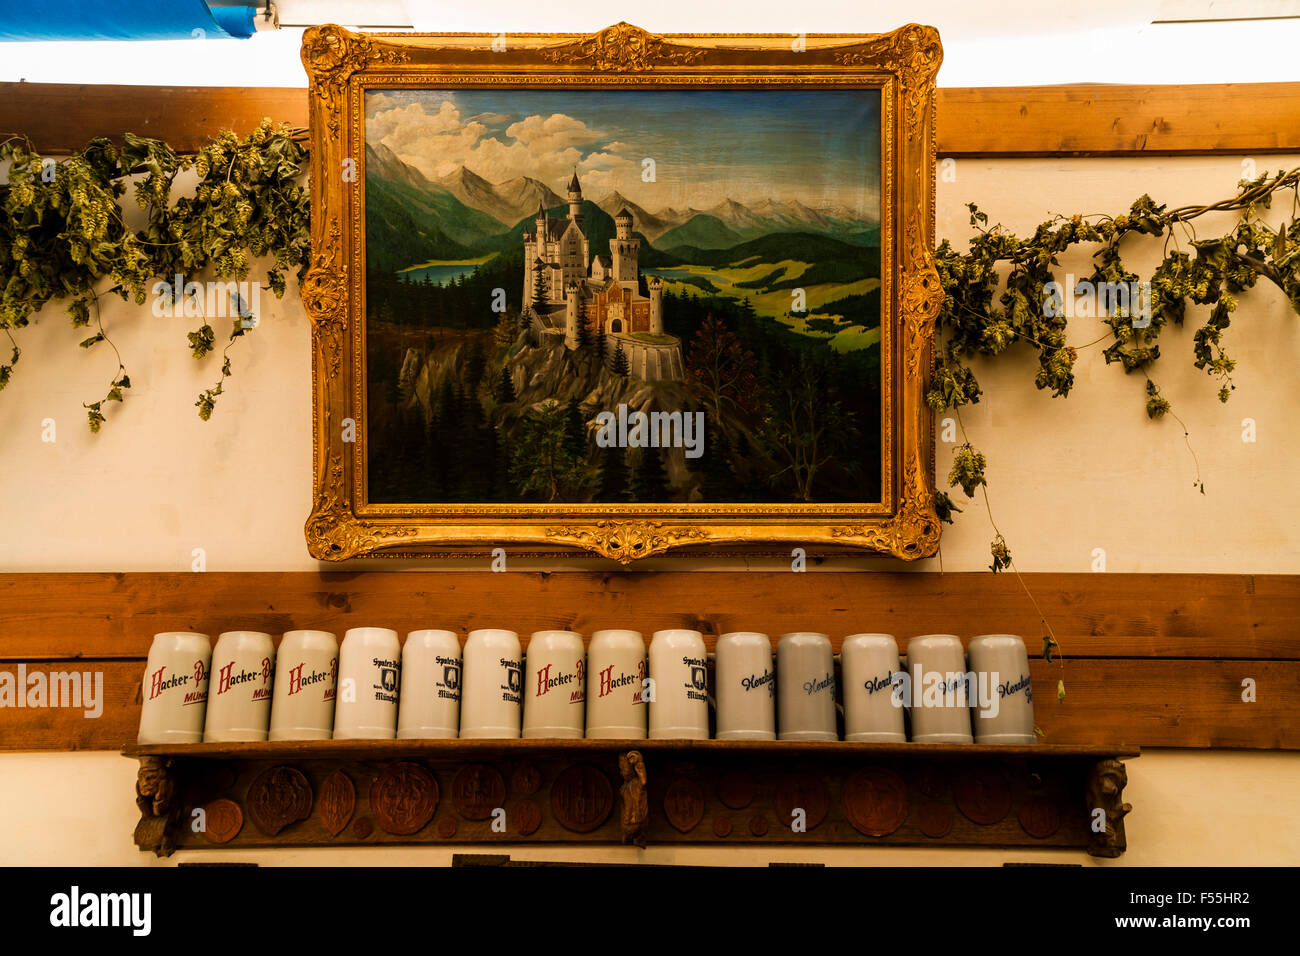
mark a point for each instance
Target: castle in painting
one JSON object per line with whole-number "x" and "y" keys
{"x": 568, "y": 290}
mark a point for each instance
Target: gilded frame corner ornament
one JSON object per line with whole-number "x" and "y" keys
{"x": 903, "y": 65}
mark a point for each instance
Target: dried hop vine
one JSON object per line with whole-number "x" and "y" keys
{"x": 63, "y": 233}
{"x": 999, "y": 295}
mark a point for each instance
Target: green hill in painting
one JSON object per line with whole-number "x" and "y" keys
{"x": 701, "y": 232}
{"x": 410, "y": 220}
{"x": 778, "y": 247}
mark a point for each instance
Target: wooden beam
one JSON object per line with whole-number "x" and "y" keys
{"x": 1073, "y": 120}
{"x": 105, "y": 615}
{"x": 62, "y": 117}
{"x": 1146, "y": 703}
{"x": 1098, "y": 120}
{"x": 1157, "y": 660}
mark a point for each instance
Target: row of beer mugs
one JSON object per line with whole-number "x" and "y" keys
{"x": 373, "y": 687}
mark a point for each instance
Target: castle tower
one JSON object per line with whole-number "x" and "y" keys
{"x": 571, "y": 318}
{"x": 530, "y": 253}
{"x": 624, "y": 249}
{"x": 656, "y": 288}
{"x": 575, "y": 199}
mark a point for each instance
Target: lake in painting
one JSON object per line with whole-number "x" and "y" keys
{"x": 623, "y": 296}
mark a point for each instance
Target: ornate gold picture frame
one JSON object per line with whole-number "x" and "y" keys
{"x": 344, "y": 68}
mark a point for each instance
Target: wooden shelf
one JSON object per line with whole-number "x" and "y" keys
{"x": 514, "y": 791}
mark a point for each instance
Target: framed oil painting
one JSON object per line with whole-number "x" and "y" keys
{"x": 622, "y": 294}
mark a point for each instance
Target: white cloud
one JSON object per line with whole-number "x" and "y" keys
{"x": 493, "y": 119}
{"x": 553, "y": 132}
{"x": 546, "y": 148}
{"x": 434, "y": 143}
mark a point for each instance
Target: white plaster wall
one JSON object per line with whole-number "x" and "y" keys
{"x": 1066, "y": 476}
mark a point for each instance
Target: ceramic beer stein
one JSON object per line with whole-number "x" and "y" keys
{"x": 370, "y": 670}
{"x": 555, "y": 700}
{"x": 306, "y": 677}
{"x": 746, "y": 687}
{"x": 616, "y": 666}
{"x": 1004, "y": 712}
{"x": 430, "y": 705}
{"x": 175, "y": 689}
{"x": 492, "y": 699}
{"x": 937, "y": 690}
{"x": 805, "y": 682}
{"x": 872, "y": 710}
{"x": 239, "y": 694}
{"x": 679, "y": 707}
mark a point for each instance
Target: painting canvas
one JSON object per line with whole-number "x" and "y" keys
{"x": 622, "y": 295}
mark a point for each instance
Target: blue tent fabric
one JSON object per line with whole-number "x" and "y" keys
{"x": 236, "y": 21}
{"x": 55, "y": 20}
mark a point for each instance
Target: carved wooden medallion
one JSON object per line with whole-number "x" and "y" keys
{"x": 582, "y": 798}
{"x": 935, "y": 819}
{"x": 278, "y": 797}
{"x": 527, "y": 817}
{"x": 721, "y": 826}
{"x": 362, "y": 827}
{"x": 1039, "y": 817}
{"x": 983, "y": 795}
{"x": 736, "y": 790}
{"x": 447, "y": 828}
{"x": 478, "y": 790}
{"x": 932, "y": 782}
{"x": 875, "y": 801}
{"x": 801, "y": 791}
{"x": 526, "y": 780}
{"x": 403, "y": 798}
{"x": 758, "y": 825}
{"x": 684, "y": 804}
{"x": 222, "y": 820}
{"x": 338, "y": 798}
{"x": 217, "y": 778}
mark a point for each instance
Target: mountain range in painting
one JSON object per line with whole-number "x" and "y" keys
{"x": 463, "y": 215}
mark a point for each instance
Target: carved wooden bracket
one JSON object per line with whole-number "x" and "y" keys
{"x": 1106, "y": 782}
{"x": 155, "y": 795}
{"x": 334, "y": 793}
{"x": 636, "y": 805}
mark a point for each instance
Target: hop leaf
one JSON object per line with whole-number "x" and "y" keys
{"x": 944, "y": 507}
{"x": 967, "y": 470}
{"x": 1001, "y": 555}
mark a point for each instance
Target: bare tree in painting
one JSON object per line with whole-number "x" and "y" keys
{"x": 804, "y": 425}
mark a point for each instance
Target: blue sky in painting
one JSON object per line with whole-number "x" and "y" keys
{"x": 820, "y": 147}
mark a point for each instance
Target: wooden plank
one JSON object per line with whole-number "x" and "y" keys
{"x": 521, "y": 749}
{"x": 1170, "y": 703}
{"x": 105, "y": 615}
{"x": 1109, "y": 703}
{"x": 69, "y": 728}
{"x": 1102, "y": 120}
{"x": 63, "y": 117}
{"x": 1071, "y": 120}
